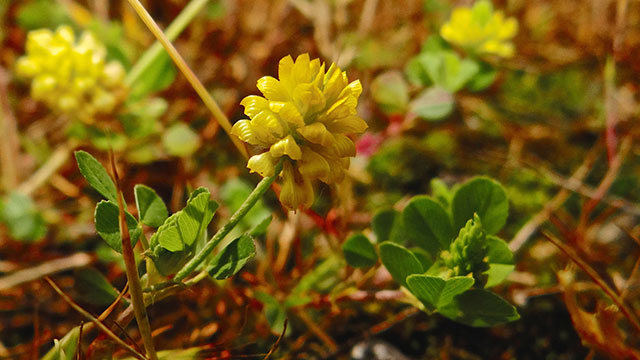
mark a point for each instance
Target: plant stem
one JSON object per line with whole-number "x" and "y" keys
{"x": 175, "y": 28}
{"x": 208, "y": 100}
{"x": 247, "y": 205}
{"x": 135, "y": 289}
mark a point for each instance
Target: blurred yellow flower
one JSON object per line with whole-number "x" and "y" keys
{"x": 481, "y": 30}
{"x": 304, "y": 116}
{"x": 71, "y": 77}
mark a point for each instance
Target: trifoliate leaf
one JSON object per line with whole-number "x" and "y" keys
{"x": 359, "y": 252}
{"x": 151, "y": 209}
{"x": 399, "y": 261}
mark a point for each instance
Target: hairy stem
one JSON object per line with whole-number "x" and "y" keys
{"x": 247, "y": 205}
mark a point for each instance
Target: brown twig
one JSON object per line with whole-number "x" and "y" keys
{"x": 135, "y": 289}
{"x": 628, "y": 313}
{"x": 277, "y": 343}
{"x": 93, "y": 319}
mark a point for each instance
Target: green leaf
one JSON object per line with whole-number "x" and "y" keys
{"x": 275, "y": 313}
{"x": 183, "y": 228}
{"x": 68, "y": 344}
{"x": 96, "y": 175}
{"x": 483, "y": 196}
{"x": 483, "y": 79}
{"x": 399, "y": 261}
{"x": 22, "y": 218}
{"x": 416, "y": 73}
{"x": 168, "y": 236}
{"x": 441, "y": 192}
{"x": 391, "y": 92}
{"x": 93, "y": 288}
{"x": 426, "y": 288}
{"x": 423, "y": 256}
{"x": 500, "y": 261}
{"x": 387, "y": 225}
{"x": 322, "y": 279}
{"x": 435, "y": 292}
{"x": 42, "y": 14}
{"x": 428, "y": 224}
{"x": 480, "y": 308}
{"x": 359, "y": 252}
{"x": 108, "y": 226}
{"x": 180, "y": 140}
{"x": 261, "y": 228}
{"x": 156, "y": 77}
{"x": 434, "y": 103}
{"x": 195, "y": 217}
{"x": 458, "y": 72}
{"x": 151, "y": 209}
{"x": 232, "y": 258}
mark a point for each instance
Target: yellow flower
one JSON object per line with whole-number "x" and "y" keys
{"x": 304, "y": 116}
{"x": 481, "y": 30}
{"x": 71, "y": 77}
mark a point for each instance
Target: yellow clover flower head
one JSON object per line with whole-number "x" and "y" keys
{"x": 71, "y": 76}
{"x": 305, "y": 117}
{"x": 481, "y": 30}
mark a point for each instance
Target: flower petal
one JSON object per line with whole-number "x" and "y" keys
{"x": 296, "y": 191}
{"x": 272, "y": 89}
{"x": 254, "y": 104}
{"x": 317, "y": 133}
{"x": 347, "y": 125}
{"x": 313, "y": 165}
{"x": 343, "y": 146}
{"x": 287, "y": 112}
{"x": 263, "y": 164}
{"x": 286, "y": 146}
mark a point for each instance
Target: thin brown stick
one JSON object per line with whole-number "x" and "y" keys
{"x": 93, "y": 319}
{"x": 607, "y": 180}
{"x": 135, "y": 288}
{"x": 79, "y": 345}
{"x": 277, "y": 343}
{"x": 209, "y": 102}
{"x": 611, "y": 293}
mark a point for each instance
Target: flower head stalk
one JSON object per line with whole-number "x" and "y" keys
{"x": 71, "y": 77}
{"x": 481, "y": 30}
{"x": 304, "y": 116}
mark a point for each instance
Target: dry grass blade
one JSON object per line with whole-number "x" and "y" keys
{"x": 211, "y": 104}
{"x": 628, "y": 312}
{"x": 48, "y": 268}
{"x": 93, "y": 319}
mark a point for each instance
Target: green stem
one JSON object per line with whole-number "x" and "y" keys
{"x": 177, "y": 26}
{"x": 247, "y": 205}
